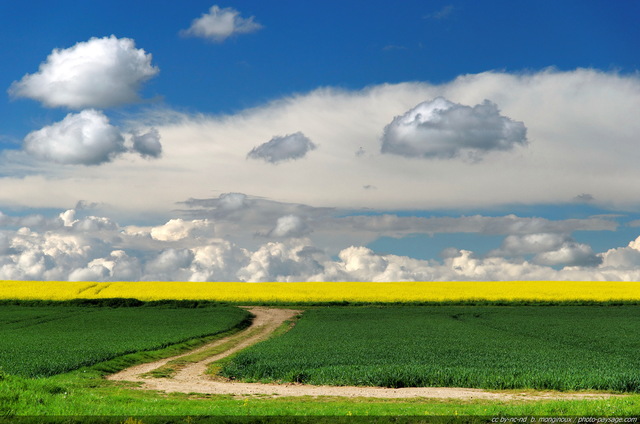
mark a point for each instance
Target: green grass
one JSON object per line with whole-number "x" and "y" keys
{"x": 38, "y": 341}
{"x": 494, "y": 347}
{"x": 84, "y": 392}
{"x": 214, "y": 368}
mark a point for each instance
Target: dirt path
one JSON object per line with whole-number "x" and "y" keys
{"x": 266, "y": 321}
{"x": 191, "y": 379}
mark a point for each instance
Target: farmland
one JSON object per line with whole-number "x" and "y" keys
{"x": 331, "y": 292}
{"x": 482, "y": 345}
{"x": 40, "y": 341}
{"x": 493, "y": 347}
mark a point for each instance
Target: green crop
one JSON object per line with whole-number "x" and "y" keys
{"x": 39, "y": 341}
{"x": 494, "y": 347}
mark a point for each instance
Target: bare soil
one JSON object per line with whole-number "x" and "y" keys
{"x": 192, "y": 378}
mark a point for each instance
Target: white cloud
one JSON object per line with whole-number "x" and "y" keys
{"x": 442, "y": 129}
{"x": 532, "y": 243}
{"x": 85, "y": 224}
{"x": 229, "y": 202}
{"x": 148, "y": 144}
{"x": 218, "y": 260}
{"x": 85, "y": 138}
{"x": 94, "y": 224}
{"x": 538, "y": 231}
{"x": 91, "y": 273}
{"x": 627, "y": 257}
{"x": 240, "y": 217}
{"x": 289, "y": 226}
{"x": 44, "y": 256}
{"x": 171, "y": 264}
{"x": 566, "y": 154}
{"x": 5, "y": 243}
{"x": 283, "y": 261}
{"x": 362, "y": 262}
{"x": 98, "y": 73}
{"x": 220, "y": 24}
{"x": 569, "y": 254}
{"x": 68, "y": 217}
{"x": 364, "y": 265}
{"x": 118, "y": 266}
{"x": 178, "y": 229}
{"x": 121, "y": 266}
{"x": 278, "y": 149}
{"x": 240, "y": 206}
{"x": 31, "y": 221}
{"x": 77, "y": 247}
{"x": 552, "y": 249}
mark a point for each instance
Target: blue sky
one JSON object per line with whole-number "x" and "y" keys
{"x": 261, "y": 141}
{"x": 334, "y": 43}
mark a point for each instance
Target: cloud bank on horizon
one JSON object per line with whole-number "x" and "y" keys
{"x": 96, "y": 248}
{"x": 303, "y": 186}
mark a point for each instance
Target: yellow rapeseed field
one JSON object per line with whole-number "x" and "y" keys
{"x": 327, "y": 291}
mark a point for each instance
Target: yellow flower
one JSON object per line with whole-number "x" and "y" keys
{"x": 328, "y": 291}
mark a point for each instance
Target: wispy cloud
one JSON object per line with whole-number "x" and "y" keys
{"x": 391, "y": 47}
{"x": 442, "y": 13}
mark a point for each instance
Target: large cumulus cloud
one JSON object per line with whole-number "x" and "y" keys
{"x": 98, "y": 73}
{"x": 442, "y": 129}
{"x": 85, "y": 138}
{"x": 88, "y": 138}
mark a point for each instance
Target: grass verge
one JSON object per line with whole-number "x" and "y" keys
{"x": 84, "y": 392}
